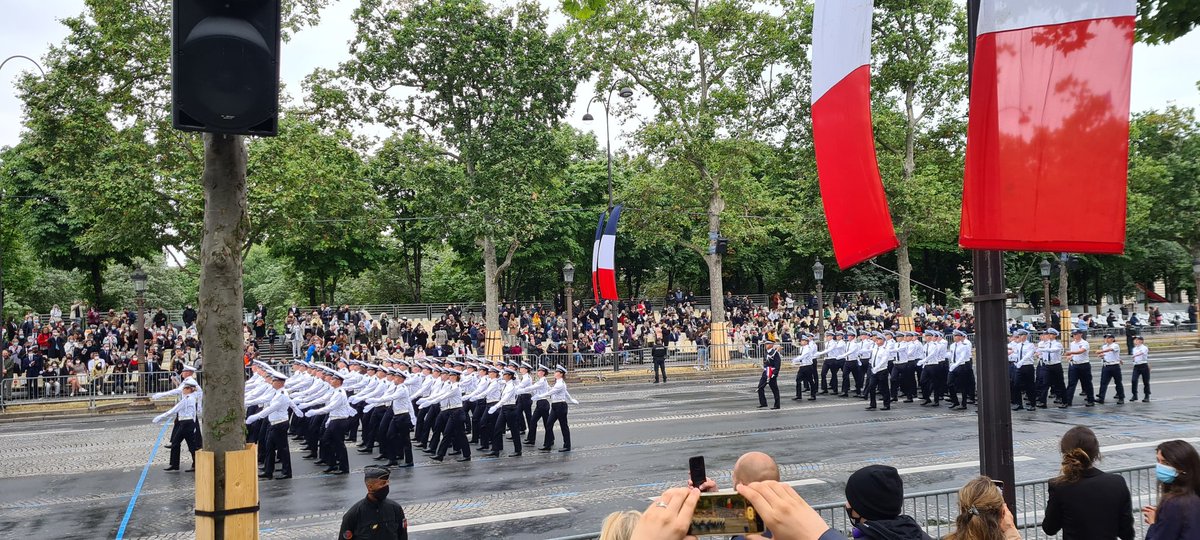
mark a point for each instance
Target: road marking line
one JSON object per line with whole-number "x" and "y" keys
{"x": 949, "y": 466}
{"x": 487, "y": 519}
{"x": 1145, "y": 444}
{"x": 1176, "y": 381}
{"x": 141, "y": 482}
{"x": 32, "y": 433}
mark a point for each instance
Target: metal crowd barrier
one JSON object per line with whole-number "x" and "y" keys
{"x": 937, "y": 510}
{"x": 21, "y": 390}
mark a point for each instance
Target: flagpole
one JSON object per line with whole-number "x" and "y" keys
{"x": 995, "y": 418}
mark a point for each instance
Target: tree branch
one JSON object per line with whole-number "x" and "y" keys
{"x": 508, "y": 257}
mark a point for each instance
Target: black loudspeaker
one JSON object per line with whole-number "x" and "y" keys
{"x": 225, "y": 66}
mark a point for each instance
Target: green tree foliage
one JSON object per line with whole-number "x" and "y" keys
{"x": 488, "y": 85}
{"x": 1163, "y": 21}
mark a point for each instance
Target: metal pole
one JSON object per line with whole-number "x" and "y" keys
{"x": 608, "y": 149}
{"x": 1062, "y": 281}
{"x": 1046, "y": 301}
{"x": 995, "y": 418}
{"x": 141, "y": 347}
{"x": 820, "y": 316}
{"x": 570, "y": 332}
{"x": 43, "y": 72}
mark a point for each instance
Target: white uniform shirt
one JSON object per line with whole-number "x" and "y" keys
{"x": 1111, "y": 354}
{"x": 188, "y": 408}
{"x": 337, "y": 407}
{"x": 1024, "y": 353}
{"x": 1081, "y": 349}
{"x": 276, "y": 410}
{"x": 1141, "y": 355}
{"x": 880, "y": 358}
{"x": 960, "y": 354}
{"x": 807, "y": 355}
{"x": 559, "y": 394}
{"x": 1050, "y": 352}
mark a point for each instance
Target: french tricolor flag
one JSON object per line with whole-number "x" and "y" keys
{"x": 1049, "y": 126}
{"x": 604, "y": 257}
{"x": 856, "y": 209}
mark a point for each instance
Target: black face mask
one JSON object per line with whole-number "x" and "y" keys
{"x": 854, "y": 520}
{"x": 382, "y": 492}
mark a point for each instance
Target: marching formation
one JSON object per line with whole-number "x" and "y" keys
{"x": 926, "y": 365}
{"x": 442, "y": 409}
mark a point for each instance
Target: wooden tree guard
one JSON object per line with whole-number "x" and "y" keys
{"x": 493, "y": 345}
{"x": 241, "y": 495}
{"x": 719, "y": 351}
{"x": 906, "y": 324}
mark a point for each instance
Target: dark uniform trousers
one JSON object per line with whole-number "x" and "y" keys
{"x": 763, "y": 383}
{"x": 558, "y": 415}
{"x": 962, "y": 381}
{"x": 455, "y": 433}
{"x": 379, "y": 426}
{"x": 425, "y": 421}
{"x": 509, "y": 417}
{"x": 188, "y": 431}
{"x": 933, "y": 381}
{"x": 904, "y": 379}
{"x": 438, "y": 429}
{"x": 333, "y": 444}
{"x": 850, "y": 368}
{"x": 878, "y": 384}
{"x": 1140, "y": 371}
{"x": 398, "y": 445}
{"x": 370, "y": 420}
{"x": 525, "y": 407}
{"x": 1111, "y": 373}
{"x": 806, "y": 381}
{"x": 1014, "y": 384}
{"x": 316, "y": 428}
{"x": 277, "y": 449}
{"x": 540, "y": 413}
{"x": 1052, "y": 380}
{"x": 1079, "y": 374}
{"x": 479, "y": 416}
{"x": 1025, "y": 385}
{"x": 352, "y": 430}
{"x": 830, "y": 367}
{"x": 488, "y": 426}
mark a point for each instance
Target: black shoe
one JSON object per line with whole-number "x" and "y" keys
{"x": 406, "y": 465}
{"x": 886, "y": 408}
{"x": 515, "y": 454}
{"x": 844, "y": 395}
{"x": 797, "y": 398}
{"x": 1120, "y": 401}
{"x": 190, "y": 469}
{"x": 529, "y": 443}
{"x": 422, "y": 445}
{"x": 284, "y": 477}
{"x": 545, "y": 449}
{"x": 482, "y": 449}
{"x": 339, "y": 472}
{"x": 1100, "y": 401}
{"x": 926, "y": 403}
{"x": 168, "y": 445}
{"x": 380, "y": 457}
{"x": 1064, "y": 406}
{"x": 492, "y": 454}
{"x": 265, "y": 476}
{"x": 321, "y": 462}
{"x": 1041, "y": 406}
{"x": 762, "y": 406}
{"x": 171, "y": 469}
{"x": 936, "y": 404}
{"x": 870, "y": 408}
{"x": 824, "y": 392}
{"x": 1090, "y": 404}
{"x": 1019, "y": 408}
{"x": 567, "y": 449}
{"x": 392, "y": 463}
{"x": 454, "y": 453}
{"x": 1146, "y": 399}
{"x": 775, "y": 408}
{"x": 1134, "y": 398}
{"x": 460, "y": 460}
{"x": 330, "y": 470}
{"x": 814, "y": 398}
{"x": 366, "y": 451}
{"x": 909, "y": 400}
{"x": 437, "y": 458}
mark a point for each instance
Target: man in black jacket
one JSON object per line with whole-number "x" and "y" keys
{"x": 659, "y": 354}
{"x": 770, "y": 375}
{"x": 874, "y": 503}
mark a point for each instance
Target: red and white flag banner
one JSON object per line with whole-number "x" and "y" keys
{"x": 604, "y": 256}
{"x": 856, "y": 208}
{"x": 1048, "y": 135}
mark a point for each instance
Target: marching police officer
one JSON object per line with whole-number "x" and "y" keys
{"x": 771, "y": 364}
{"x": 1110, "y": 353}
{"x": 1141, "y": 368}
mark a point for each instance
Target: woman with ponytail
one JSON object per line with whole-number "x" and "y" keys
{"x": 982, "y": 514}
{"x": 1084, "y": 502}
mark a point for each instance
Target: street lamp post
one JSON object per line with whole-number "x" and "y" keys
{"x": 1196, "y": 300}
{"x": 625, "y": 92}
{"x": 43, "y": 72}
{"x": 1045, "y": 270}
{"x": 569, "y": 278}
{"x": 819, "y": 275}
{"x": 139, "y": 289}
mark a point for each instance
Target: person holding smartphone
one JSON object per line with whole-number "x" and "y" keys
{"x": 982, "y": 514}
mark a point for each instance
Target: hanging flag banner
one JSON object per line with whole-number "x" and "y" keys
{"x": 1049, "y": 126}
{"x": 605, "y": 260}
{"x": 596, "y": 258}
{"x": 856, "y": 209}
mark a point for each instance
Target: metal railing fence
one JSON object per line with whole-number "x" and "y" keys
{"x": 936, "y": 511}
{"x": 21, "y": 390}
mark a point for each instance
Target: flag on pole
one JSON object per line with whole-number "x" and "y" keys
{"x": 1048, "y": 135}
{"x": 604, "y": 257}
{"x": 856, "y": 207}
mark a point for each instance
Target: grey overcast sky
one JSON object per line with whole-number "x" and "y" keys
{"x": 1161, "y": 75}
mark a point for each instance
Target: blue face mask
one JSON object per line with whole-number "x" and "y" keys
{"x": 1165, "y": 473}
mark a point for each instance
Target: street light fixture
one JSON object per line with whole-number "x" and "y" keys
{"x": 625, "y": 92}
{"x": 139, "y": 288}
{"x": 569, "y": 278}
{"x": 819, "y": 275}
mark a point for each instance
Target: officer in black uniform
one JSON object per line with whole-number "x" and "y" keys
{"x": 375, "y": 517}
{"x": 771, "y": 364}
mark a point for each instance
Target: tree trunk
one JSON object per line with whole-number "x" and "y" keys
{"x": 491, "y": 289}
{"x": 219, "y": 320}
{"x": 904, "y": 268}
{"x": 418, "y": 254}
{"x": 716, "y": 288}
{"x": 1064, "y": 302}
{"x": 312, "y": 295}
{"x": 97, "y": 281}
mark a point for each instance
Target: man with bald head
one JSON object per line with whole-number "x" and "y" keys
{"x": 751, "y": 467}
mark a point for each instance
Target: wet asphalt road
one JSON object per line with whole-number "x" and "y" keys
{"x": 74, "y": 478}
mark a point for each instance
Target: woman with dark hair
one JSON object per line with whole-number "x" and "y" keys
{"x": 982, "y": 514}
{"x": 1084, "y": 502}
{"x": 1177, "y": 516}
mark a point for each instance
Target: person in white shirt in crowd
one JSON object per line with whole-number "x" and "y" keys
{"x": 276, "y": 439}
{"x": 1049, "y": 369}
{"x": 962, "y": 377}
{"x": 559, "y": 398}
{"x": 1110, "y": 354}
{"x": 1141, "y": 369}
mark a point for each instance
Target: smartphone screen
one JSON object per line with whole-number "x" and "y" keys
{"x": 696, "y": 470}
{"x": 724, "y": 513}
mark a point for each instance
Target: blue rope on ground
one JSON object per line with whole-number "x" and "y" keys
{"x": 141, "y": 481}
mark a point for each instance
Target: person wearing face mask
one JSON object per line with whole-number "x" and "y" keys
{"x": 1177, "y": 516}
{"x": 375, "y": 517}
{"x": 874, "y": 502}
